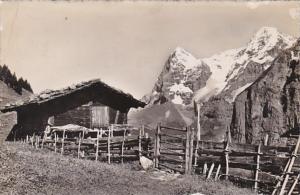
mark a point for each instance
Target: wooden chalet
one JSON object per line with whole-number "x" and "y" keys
{"x": 92, "y": 104}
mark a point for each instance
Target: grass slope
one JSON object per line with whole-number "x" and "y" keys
{"x": 25, "y": 170}
{"x": 8, "y": 95}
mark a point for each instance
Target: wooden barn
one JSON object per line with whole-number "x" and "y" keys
{"x": 92, "y": 104}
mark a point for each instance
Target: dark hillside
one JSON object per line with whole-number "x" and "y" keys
{"x": 11, "y": 80}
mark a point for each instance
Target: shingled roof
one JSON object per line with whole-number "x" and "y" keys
{"x": 97, "y": 85}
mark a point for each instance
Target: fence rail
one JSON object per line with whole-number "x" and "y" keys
{"x": 256, "y": 165}
{"x": 269, "y": 169}
{"x": 98, "y": 144}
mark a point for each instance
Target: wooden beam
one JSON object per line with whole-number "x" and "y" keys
{"x": 62, "y": 143}
{"x": 217, "y": 173}
{"x": 79, "y": 144}
{"x": 266, "y": 139}
{"x": 117, "y": 117}
{"x": 97, "y": 146}
{"x": 55, "y": 142}
{"x": 294, "y": 184}
{"x": 226, "y": 151}
{"x": 198, "y": 138}
{"x": 140, "y": 142}
{"x": 157, "y": 145}
{"x": 210, "y": 170}
{"x": 257, "y": 168}
{"x": 122, "y": 147}
{"x": 187, "y": 150}
{"x": 204, "y": 168}
{"x": 108, "y": 146}
{"x": 290, "y": 166}
{"x": 191, "y": 149}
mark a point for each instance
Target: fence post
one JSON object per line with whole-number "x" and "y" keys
{"x": 226, "y": 151}
{"x": 191, "y": 147}
{"x": 108, "y": 145}
{"x": 112, "y": 130}
{"x": 143, "y": 130}
{"x": 187, "y": 150}
{"x": 266, "y": 140}
{"x": 36, "y": 142}
{"x": 43, "y": 140}
{"x": 62, "y": 143}
{"x": 257, "y": 167}
{"x": 97, "y": 146}
{"x": 290, "y": 166}
{"x": 79, "y": 143}
{"x": 157, "y": 146}
{"x": 217, "y": 173}
{"x": 210, "y": 170}
{"x": 55, "y": 142}
{"x": 198, "y": 138}
{"x": 294, "y": 185}
{"x": 122, "y": 147}
{"x": 204, "y": 168}
{"x": 140, "y": 143}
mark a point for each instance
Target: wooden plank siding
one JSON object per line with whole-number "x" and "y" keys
{"x": 91, "y": 115}
{"x": 99, "y": 117}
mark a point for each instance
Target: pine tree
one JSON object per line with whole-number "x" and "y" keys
{"x": 12, "y": 81}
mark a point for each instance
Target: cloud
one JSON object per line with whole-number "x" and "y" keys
{"x": 295, "y": 13}
{"x": 256, "y": 4}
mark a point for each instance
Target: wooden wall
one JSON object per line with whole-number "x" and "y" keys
{"x": 82, "y": 116}
{"x": 30, "y": 122}
{"x": 79, "y": 116}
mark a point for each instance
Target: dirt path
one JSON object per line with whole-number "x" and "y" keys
{"x": 25, "y": 170}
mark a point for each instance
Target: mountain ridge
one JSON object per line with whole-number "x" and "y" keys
{"x": 221, "y": 68}
{"x": 216, "y": 81}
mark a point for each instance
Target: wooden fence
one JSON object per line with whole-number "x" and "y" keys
{"x": 98, "y": 144}
{"x": 171, "y": 150}
{"x": 268, "y": 169}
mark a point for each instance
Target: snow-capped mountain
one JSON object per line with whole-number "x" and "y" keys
{"x": 184, "y": 77}
{"x": 236, "y": 69}
{"x": 181, "y": 76}
{"x": 217, "y": 80}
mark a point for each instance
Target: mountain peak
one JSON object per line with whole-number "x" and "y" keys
{"x": 266, "y": 38}
{"x": 183, "y": 58}
{"x": 267, "y": 31}
{"x": 185, "y": 77}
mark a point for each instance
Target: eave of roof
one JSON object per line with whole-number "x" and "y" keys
{"x": 49, "y": 95}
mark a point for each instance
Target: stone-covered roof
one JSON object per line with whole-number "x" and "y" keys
{"x": 49, "y": 95}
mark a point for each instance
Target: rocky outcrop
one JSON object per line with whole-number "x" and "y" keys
{"x": 181, "y": 76}
{"x": 271, "y": 104}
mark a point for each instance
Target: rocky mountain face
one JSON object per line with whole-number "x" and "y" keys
{"x": 215, "y": 82}
{"x": 271, "y": 104}
{"x": 181, "y": 76}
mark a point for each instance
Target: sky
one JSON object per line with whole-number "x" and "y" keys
{"x": 125, "y": 44}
